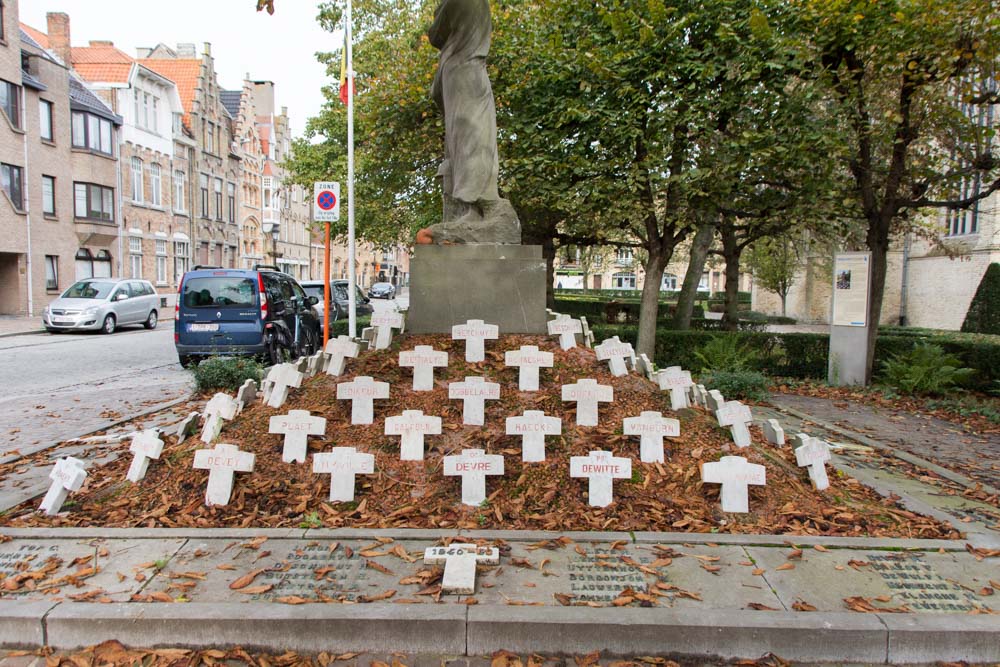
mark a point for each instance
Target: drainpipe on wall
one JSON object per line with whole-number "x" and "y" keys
{"x": 121, "y": 215}
{"x": 26, "y": 196}
{"x": 907, "y": 240}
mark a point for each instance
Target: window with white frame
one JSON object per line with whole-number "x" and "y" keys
{"x": 669, "y": 283}
{"x": 137, "y": 189}
{"x": 179, "y": 191}
{"x": 135, "y": 256}
{"x": 161, "y": 261}
{"x": 48, "y": 195}
{"x": 155, "y": 197}
{"x": 231, "y": 201}
{"x": 218, "y": 199}
{"x": 182, "y": 250}
{"x": 156, "y": 115}
{"x": 623, "y": 280}
{"x": 624, "y": 255}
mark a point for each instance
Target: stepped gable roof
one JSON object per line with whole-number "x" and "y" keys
{"x": 185, "y": 73}
{"x": 102, "y": 62}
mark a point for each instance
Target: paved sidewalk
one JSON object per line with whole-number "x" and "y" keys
{"x": 19, "y": 326}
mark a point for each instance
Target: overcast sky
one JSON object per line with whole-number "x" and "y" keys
{"x": 279, "y": 48}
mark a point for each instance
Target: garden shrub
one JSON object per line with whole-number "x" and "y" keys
{"x": 984, "y": 311}
{"x": 726, "y": 353}
{"x": 925, "y": 369}
{"x": 741, "y": 385}
{"x": 226, "y": 373}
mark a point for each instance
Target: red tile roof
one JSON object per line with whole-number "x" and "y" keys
{"x": 37, "y": 35}
{"x": 102, "y": 64}
{"x": 183, "y": 72}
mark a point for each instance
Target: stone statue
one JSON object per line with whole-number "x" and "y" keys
{"x": 473, "y": 209}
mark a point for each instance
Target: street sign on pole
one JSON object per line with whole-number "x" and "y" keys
{"x": 326, "y": 202}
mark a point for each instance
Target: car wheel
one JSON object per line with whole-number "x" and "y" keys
{"x": 276, "y": 353}
{"x": 109, "y": 325}
{"x": 187, "y": 361}
{"x": 150, "y": 322}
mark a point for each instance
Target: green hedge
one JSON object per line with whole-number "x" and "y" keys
{"x": 340, "y": 327}
{"x": 805, "y": 355}
{"x": 595, "y": 311}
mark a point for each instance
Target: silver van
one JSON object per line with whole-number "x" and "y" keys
{"x": 103, "y": 304}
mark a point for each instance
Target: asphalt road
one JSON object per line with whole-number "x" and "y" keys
{"x": 54, "y": 387}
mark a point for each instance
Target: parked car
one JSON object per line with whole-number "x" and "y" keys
{"x": 339, "y": 297}
{"x": 259, "y": 312}
{"x": 382, "y": 291}
{"x": 103, "y": 304}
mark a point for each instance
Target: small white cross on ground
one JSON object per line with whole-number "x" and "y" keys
{"x": 222, "y": 462}
{"x": 813, "y": 453}
{"x": 247, "y": 394}
{"x": 187, "y": 427}
{"x": 773, "y": 432}
{"x": 699, "y": 396}
{"x": 145, "y": 445}
{"x": 296, "y": 426}
{"x": 735, "y": 474}
{"x": 533, "y": 426}
{"x": 384, "y": 323}
{"x": 423, "y": 359}
{"x": 473, "y": 465}
{"x": 651, "y": 427}
{"x": 677, "y": 381}
{"x": 736, "y": 416}
{"x": 220, "y": 407}
{"x": 362, "y": 392}
{"x": 474, "y": 392}
{"x": 412, "y": 425}
{"x": 588, "y": 335}
{"x": 342, "y": 464}
{"x": 714, "y": 400}
{"x": 475, "y": 333}
{"x": 587, "y": 394}
{"x": 315, "y": 364}
{"x": 602, "y": 468}
{"x": 283, "y": 377}
{"x": 67, "y": 475}
{"x": 460, "y": 565}
{"x": 528, "y": 359}
{"x": 617, "y": 354}
{"x": 337, "y": 352}
{"x": 566, "y": 328}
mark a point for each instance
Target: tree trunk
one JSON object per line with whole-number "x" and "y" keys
{"x": 784, "y": 302}
{"x": 650, "y": 303}
{"x": 731, "y": 252}
{"x": 878, "y": 244}
{"x": 696, "y": 267}
{"x": 549, "y": 252}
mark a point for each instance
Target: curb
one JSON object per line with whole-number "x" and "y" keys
{"x": 22, "y": 333}
{"x": 457, "y": 629}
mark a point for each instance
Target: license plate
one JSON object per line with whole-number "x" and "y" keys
{"x": 204, "y": 327}
{"x": 62, "y": 320}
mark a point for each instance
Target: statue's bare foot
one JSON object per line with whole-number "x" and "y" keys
{"x": 425, "y": 237}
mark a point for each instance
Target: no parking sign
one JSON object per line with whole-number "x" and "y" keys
{"x": 326, "y": 202}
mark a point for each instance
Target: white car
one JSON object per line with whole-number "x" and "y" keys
{"x": 103, "y": 304}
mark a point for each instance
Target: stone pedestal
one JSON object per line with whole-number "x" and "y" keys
{"x": 499, "y": 284}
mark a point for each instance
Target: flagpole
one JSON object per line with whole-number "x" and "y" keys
{"x": 352, "y": 273}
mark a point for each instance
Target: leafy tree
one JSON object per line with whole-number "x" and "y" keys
{"x": 909, "y": 84}
{"x": 775, "y": 263}
{"x": 984, "y": 311}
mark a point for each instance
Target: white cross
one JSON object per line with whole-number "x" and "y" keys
{"x": 301, "y": 365}
{"x": 367, "y": 341}
{"x": 460, "y": 565}
{"x": 222, "y": 406}
{"x": 588, "y": 335}
{"x": 222, "y": 463}
{"x": 602, "y": 468}
{"x": 412, "y": 425}
{"x": 615, "y": 353}
{"x": 67, "y": 475}
{"x": 645, "y": 367}
{"x": 475, "y": 333}
{"x": 145, "y": 445}
{"x": 587, "y": 394}
{"x": 283, "y": 377}
{"x": 735, "y": 475}
{"x": 296, "y": 426}
{"x": 533, "y": 426}
{"x": 337, "y": 351}
{"x": 736, "y": 416}
{"x": 714, "y": 401}
{"x": 699, "y": 395}
{"x": 813, "y": 453}
{"x": 246, "y": 394}
{"x": 773, "y": 432}
{"x": 677, "y": 381}
{"x": 315, "y": 365}
{"x": 342, "y": 464}
{"x": 362, "y": 392}
{"x": 566, "y": 328}
{"x": 474, "y": 392}
{"x": 187, "y": 427}
{"x": 473, "y": 465}
{"x": 384, "y": 323}
{"x": 423, "y": 359}
{"x": 651, "y": 427}
{"x": 529, "y": 359}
